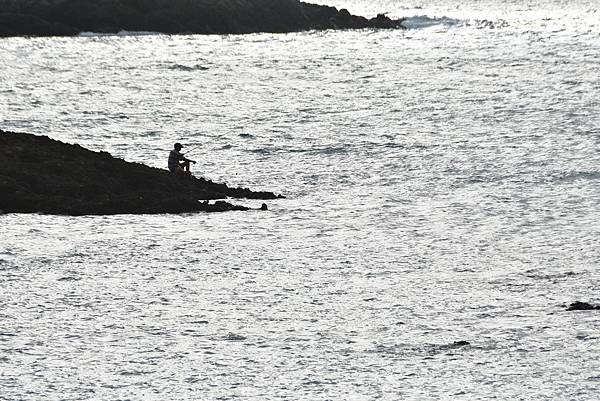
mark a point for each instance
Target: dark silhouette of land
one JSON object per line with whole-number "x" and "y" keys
{"x": 39, "y": 174}
{"x": 70, "y": 17}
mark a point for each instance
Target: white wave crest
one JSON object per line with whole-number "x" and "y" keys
{"x": 424, "y": 21}
{"x": 120, "y": 33}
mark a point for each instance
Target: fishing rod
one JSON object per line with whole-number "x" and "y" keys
{"x": 192, "y": 149}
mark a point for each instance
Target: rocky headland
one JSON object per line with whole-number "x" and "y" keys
{"x": 71, "y": 17}
{"x": 42, "y": 175}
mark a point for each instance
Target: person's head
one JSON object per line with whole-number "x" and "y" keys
{"x": 178, "y": 146}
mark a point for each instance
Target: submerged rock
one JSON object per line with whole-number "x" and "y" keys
{"x": 455, "y": 344}
{"x": 582, "y": 306}
{"x": 42, "y": 175}
{"x": 70, "y": 17}
{"x": 234, "y": 337}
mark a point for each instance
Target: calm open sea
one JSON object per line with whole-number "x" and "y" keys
{"x": 443, "y": 203}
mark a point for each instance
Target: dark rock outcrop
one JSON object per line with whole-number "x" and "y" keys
{"x": 39, "y": 174}
{"x": 582, "y": 306}
{"x": 324, "y": 17}
{"x": 69, "y": 17}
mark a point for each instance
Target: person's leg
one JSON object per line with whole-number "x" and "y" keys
{"x": 184, "y": 170}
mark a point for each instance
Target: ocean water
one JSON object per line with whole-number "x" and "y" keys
{"x": 443, "y": 194}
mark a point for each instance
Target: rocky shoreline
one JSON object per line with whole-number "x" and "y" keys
{"x": 71, "y": 17}
{"x": 42, "y": 175}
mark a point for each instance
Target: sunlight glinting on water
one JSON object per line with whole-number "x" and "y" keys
{"x": 442, "y": 188}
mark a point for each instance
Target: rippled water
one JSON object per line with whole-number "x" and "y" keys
{"x": 442, "y": 183}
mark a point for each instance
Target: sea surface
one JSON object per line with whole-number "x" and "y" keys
{"x": 442, "y": 209}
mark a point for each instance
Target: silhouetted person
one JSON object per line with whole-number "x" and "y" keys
{"x": 178, "y": 163}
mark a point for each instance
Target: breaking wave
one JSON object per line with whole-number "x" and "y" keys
{"x": 120, "y": 33}
{"x": 423, "y": 21}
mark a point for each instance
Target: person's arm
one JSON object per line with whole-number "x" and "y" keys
{"x": 185, "y": 159}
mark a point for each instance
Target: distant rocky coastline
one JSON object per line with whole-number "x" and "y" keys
{"x": 42, "y": 175}
{"x": 71, "y": 17}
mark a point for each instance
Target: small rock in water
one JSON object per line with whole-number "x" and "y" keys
{"x": 455, "y": 344}
{"x": 583, "y": 306}
{"x": 264, "y": 207}
{"x": 234, "y": 337}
